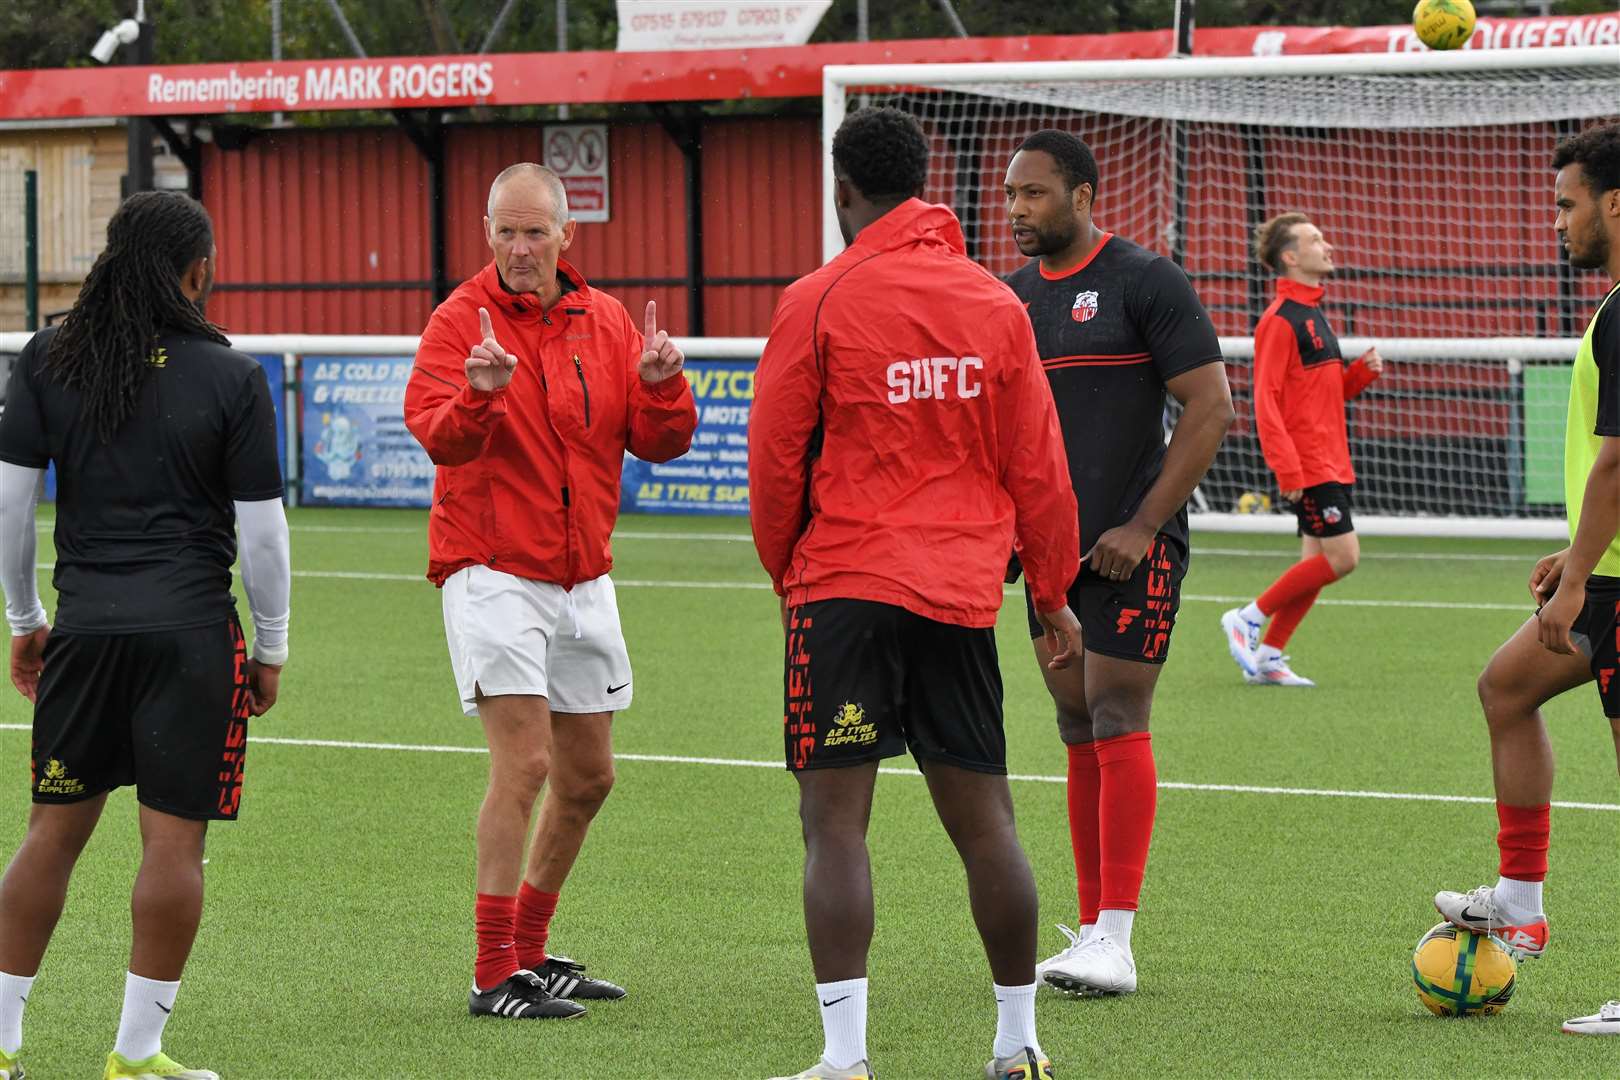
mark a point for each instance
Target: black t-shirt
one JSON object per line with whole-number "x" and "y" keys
{"x": 145, "y": 529}
{"x": 1111, "y": 333}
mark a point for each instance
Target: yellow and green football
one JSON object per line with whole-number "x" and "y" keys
{"x": 1443, "y": 24}
{"x": 1462, "y": 973}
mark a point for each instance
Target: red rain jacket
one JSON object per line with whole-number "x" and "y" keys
{"x": 528, "y": 478}
{"x": 1300, "y": 386}
{"x": 903, "y": 431}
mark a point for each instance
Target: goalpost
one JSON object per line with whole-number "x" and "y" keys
{"x": 1430, "y": 174}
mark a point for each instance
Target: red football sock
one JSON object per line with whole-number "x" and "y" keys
{"x": 1083, "y": 831}
{"x": 1128, "y": 797}
{"x": 534, "y": 912}
{"x": 1303, "y": 578}
{"x": 1522, "y": 840}
{"x": 1288, "y": 618}
{"x": 496, "y": 959}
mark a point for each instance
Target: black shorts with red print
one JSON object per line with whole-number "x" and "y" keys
{"x": 866, "y": 681}
{"x": 165, "y": 710}
{"x": 1130, "y": 619}
{"x": 1597, "y": 631}
{"x": 1324, "y": 510}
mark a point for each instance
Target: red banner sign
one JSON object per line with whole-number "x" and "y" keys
{"x": 441, "y": 82}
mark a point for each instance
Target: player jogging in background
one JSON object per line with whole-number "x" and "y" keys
{"x": 529, "y": 386}
{"x": 164, "y": 442}
{"x": 902, "y": 434}
{"x": 1117, "y": 326}
{"x": 1301, "y": 385}
{"x": 1574, "y": 637}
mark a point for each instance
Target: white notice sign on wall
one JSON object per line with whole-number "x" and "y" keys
{"x": 579, "y": 154}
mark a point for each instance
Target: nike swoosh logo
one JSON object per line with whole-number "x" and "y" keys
{"x": 834, "y": 1001}
{"x": 159, "y": 1004}
{"x": 1468, "y": 914}
{"x": 616, "y": 689}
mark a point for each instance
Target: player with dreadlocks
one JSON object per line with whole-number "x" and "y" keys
{"x": 164, "y": 442}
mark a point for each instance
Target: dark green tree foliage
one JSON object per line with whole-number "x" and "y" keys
{"x": 59, "y": 33}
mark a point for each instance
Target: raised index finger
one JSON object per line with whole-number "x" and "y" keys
{"x": 652, "y": 321}
{"x": 483, "y": 324}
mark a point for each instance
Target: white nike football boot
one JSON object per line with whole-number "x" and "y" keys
{"x": 1478, "y": 910}
{"x": 1606, "y": 1021}
{"x": 1099, "y": 966}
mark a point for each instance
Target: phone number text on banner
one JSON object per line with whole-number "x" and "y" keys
{"x": 357, "y": 450}
{"x": 713, "y": 477}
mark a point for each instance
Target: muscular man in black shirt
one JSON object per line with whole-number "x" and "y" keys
{"x": 1117, "y": 326}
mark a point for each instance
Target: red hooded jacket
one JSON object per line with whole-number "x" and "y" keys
{"x": 1300, "y": 386}
{"x": 903, "y": 430}
{"x": 528, "y": 478}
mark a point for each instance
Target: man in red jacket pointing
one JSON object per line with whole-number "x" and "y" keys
{"x": 528, "y": 388}
{"x": 902, "y": 435}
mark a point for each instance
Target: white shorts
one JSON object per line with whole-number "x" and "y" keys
{"x": 510, "y": 635}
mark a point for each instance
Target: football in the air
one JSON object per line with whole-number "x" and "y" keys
{"x": 1443, "y": 24}
{"x": 1461, "y": 973}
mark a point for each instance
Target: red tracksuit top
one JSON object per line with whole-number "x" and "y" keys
{"x": 528, "y": 477}
{"x": 1300, "y": 386}
{"x": 903, "y": 431}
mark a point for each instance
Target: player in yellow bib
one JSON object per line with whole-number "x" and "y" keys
{"x": 1574, "y": 637}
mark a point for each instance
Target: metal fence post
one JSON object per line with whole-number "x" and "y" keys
{"x": 294, "y": 421}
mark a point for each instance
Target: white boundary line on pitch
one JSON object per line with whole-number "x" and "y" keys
{"x": 736, "y": 537}
{"x": 744, "y": 763}
{"x": 760, "y": 586}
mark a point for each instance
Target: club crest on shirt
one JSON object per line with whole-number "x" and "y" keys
{"x": 1085, "y": 306}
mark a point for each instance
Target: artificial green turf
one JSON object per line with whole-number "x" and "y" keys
{"x": 1275, "y": 932}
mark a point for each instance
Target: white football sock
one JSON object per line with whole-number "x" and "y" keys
{"x": 1116, "y": 924}
{"x": 1086, "y": 930}
{"x": 1251, "y": 612}
{"x": 843, "y": 1021}
{"x": 1518, "y": 899}
{"x": 1268, "y": 652}
{"x": 147, "y": 1004}
{"x": 14, "y": 991}
{"x": 1015, "y": 1020}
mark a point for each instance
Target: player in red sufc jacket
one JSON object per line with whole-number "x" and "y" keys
{"x": 902, "y": 434}
{"x": 528, "y": 388}
{"x": 1300, "y": 387}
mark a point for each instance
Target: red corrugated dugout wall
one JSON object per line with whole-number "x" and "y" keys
{"x": 320, "y": 232}
{"x": 761, "y": 217}
{"x": 328, "y": 231}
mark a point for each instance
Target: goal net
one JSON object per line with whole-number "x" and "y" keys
{"x": 1428, "y": 172}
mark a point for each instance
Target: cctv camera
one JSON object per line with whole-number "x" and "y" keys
{"x": 106, "y": 46}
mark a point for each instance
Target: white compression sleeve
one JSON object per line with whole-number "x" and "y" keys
{"x": 19, "y": 493}
{"x": 265, "y": 561}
